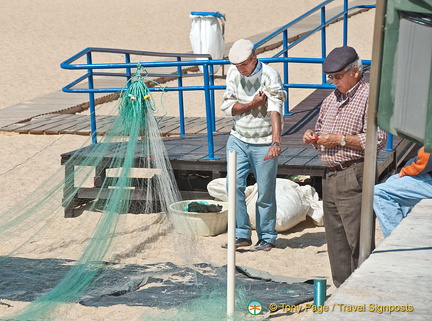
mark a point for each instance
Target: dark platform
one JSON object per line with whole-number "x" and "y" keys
{"x": 193, "y": 169}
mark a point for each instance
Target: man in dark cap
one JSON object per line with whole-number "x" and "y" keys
{"x": 340, "y": 138}
{"x": 254, "y": 97}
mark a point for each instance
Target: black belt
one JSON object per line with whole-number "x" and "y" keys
{"x": 347, "y": 164}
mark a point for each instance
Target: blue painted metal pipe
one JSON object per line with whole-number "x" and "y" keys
{"x": 345, "y": 23}
{"x": 389, "y": 142}
{"x": 212, "y": 98}
{"x": 210, "y": 146}
{"x": 92, "y": 103}
{"x": 212, "y": 14}
{"x": 180, "y": 100}
{"x": 323, "y": 41}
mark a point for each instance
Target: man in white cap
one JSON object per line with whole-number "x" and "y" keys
{"x": 340, "y": 137}
{"x": 254, "y": 97}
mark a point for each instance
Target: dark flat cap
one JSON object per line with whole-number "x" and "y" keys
{"x": 338, "y": 59}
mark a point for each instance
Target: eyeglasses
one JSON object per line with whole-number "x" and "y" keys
{"x": 338, "y": 77}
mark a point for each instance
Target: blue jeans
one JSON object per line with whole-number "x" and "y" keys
{"x": 395, "y": 198}
{"x": 251, "y": 157}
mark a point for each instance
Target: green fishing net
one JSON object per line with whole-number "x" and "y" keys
{"x": 121, "y": 242}
{"x": 128, "y": 234}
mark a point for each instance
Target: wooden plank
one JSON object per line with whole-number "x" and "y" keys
{"x": 83, "y": 127}
{"x": 55, "y": 128}
{"x": 299, "y": 161}
{"x": 170, "y": 126}
{"x": 63, "y": 122}
{"x": 204, "y": 148}
{"x": 293, "y": 151}
{"x": 106, "y": 193}
{"x": 103, "y": 124}
{"x": 308, "y": 152}
{"x": 173, "y": 128}
{"x": 42, "y": 126}
{"x": 315, "y": 162}
{"x": 167, "y": 121}
{"x": 24, "y": 127}
{"x": 224, "y": 124}
{"x": 181, "y": 151}
{"x": 196, "y": 125}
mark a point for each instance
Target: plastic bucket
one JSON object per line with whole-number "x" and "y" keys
{"x": 194, "y": 223}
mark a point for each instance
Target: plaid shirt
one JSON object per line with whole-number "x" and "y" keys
{"x": 346, "y": 115}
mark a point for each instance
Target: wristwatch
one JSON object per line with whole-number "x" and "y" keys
{"x": 275, "y": 143}
{"x": 343, "y": 141}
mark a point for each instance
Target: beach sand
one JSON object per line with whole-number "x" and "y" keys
{"x": 38, "y": 36}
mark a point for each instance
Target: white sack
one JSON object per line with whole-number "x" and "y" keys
{"x": 310, "y": 196}
{"x": 218, "y": 190}
{"x": 294, "y": 202}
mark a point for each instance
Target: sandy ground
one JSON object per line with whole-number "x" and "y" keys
{"x": 37, "y": 36}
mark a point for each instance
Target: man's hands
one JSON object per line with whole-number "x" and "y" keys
{"x": 326, "y": 140}
{"x": 310, "y": 137}
{"x": 273, "y": 152}
{"x": 330, "y": 140}
{"x": 259, "y": 99}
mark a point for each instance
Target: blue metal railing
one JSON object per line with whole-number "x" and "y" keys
{"x": 321, "y": 27}
{"x": 128, "y": 67}
{"x": 194, "y": 60}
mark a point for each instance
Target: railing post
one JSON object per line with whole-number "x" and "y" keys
{"x": 212, "y": 99}
{"x": 389, "y": 142}
{"x": 128, "y": 69}
{"x": 286, "y": 74}
{"x": 210, "y": 145}
{"x": 180, "y": 99}
{"x": 323, "y": 41}
{"x": 91, "y": 101}
{"x": 345, "y": 23}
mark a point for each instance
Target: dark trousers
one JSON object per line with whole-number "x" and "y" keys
{"x": 342, "y": 197}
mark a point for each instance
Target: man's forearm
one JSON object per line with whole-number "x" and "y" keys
{"x": 276, "y": 126}
{"x": 240, "y": 108}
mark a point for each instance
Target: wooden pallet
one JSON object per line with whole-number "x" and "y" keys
{"x": 59, "y": 124}
{"x": 192, "y": 167}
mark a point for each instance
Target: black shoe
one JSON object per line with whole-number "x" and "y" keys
{"x": 239, "y": 242}
{"x": 263, "y": 246}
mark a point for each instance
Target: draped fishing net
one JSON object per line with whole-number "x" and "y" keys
{"x": 122, "y": 245}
